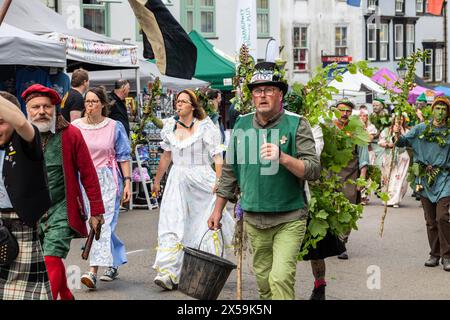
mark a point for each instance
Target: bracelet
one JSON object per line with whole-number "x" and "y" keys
{"x": 127, "y": 178}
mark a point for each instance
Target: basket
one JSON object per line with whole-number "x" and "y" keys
{"x": 203, "y": 274}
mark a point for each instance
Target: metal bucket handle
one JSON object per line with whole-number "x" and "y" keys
{"x": 221, "y": 235}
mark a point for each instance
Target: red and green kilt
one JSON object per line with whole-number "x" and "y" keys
{"x": 26, "y": 278}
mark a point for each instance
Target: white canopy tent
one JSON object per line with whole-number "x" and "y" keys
{"x": 23, "y": 48}
{"x": 357, "y": 87}
{"x": 148, "y": 71}
{"x": 94, "y": 50}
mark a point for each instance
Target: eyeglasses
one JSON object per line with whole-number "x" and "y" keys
{"x": 345, "y": 110}
{"x": 91, "y": 101}
{"x": 267, "y": 91}
{"x": 184, "y": 101}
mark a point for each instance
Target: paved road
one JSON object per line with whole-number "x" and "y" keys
{"x": 398, "y": 258}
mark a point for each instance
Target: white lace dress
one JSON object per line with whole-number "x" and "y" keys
{"x": 188, "y": 199}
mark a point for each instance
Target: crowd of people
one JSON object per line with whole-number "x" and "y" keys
{"x": 71, "y": 160}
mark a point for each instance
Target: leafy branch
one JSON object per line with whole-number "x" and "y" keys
{"x": 138, "y": 136}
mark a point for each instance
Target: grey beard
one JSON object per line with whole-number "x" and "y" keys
{"x": 46, "y": 127}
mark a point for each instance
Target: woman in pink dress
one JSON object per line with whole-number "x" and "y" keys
{"x": 109, "y": 147}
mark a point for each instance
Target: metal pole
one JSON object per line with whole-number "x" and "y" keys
{"x": 4, "y": 10}
{"x": 138, "y": 82}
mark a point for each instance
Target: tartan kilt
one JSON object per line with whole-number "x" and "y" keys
{"x": 26, "y": 278}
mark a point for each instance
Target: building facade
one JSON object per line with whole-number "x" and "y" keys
{"x": 395, "y": 28}
{"x": 311, "y": 29}
{"x": 309, "y": 32}
{"x": 214, "y": 19}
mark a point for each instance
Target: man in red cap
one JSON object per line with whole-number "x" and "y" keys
{"x": 68, "y": 162}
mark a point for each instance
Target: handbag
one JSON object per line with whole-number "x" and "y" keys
{"x": 9, "y": 247}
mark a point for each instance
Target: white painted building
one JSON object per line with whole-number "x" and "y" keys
{"x": 312, "y": 28}
{"x": 305, "y": 29}
{"x": 214, "y": 19}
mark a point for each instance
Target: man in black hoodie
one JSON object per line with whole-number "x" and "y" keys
{"x": 118, "y": 107}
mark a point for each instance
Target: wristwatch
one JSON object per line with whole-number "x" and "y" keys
{"x": 127, "y": 178}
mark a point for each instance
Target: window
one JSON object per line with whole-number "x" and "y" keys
{"x": 372, "y": 5}
{"x": 420, "y": 7}
{"x": 438, "y": 65}
{"x": 300, "y": 44}
{"x": 262, "y": 10}
{"x": 410, "y": 39}
{"x": 341, "y": 41}
{"x": 384, "y": 42}
{"x": 199, "y": 15}
{"x": 399, "y": 6}
{"x": 95, "y": 16}
{"x": 371, "y": 42}
{"x": 428, "y": 67}
{"x": 398, "y": 36}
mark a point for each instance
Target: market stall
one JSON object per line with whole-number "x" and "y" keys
{"x": 26, "y": 58}
{"x": 387, "y": 79}
{"x": 358, "y": 87}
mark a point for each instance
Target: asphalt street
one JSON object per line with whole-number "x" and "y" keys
{"x": 391, "y": 267}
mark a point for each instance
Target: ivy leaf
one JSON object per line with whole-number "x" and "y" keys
{"x": 318, "y": 227}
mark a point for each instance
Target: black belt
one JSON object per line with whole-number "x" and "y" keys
{"x": 7, "y": 210}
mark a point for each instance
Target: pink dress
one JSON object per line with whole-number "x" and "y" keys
{"x": 108, "y": 144}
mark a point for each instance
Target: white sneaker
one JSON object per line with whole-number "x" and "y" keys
{"x": 164, "y": 282}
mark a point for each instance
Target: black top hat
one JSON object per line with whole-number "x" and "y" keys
{"x": 268, "y": 74}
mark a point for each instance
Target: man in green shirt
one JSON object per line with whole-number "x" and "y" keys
{"x": 431, "y": 147}
{"x": 271, "y": 153}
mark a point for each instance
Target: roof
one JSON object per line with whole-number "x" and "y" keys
{"x": 24, "y": 48}
{"x": 148, "y": 71}
{"x": 93, "y": 50}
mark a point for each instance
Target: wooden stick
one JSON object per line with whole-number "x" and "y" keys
{"x": 4, "y": 10}
{"x": 240, "y": 225}
{"x": 388, "y": 181}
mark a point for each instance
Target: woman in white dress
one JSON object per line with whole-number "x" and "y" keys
{"x": 398, "y": 183}
{"x": 191, "y": 141}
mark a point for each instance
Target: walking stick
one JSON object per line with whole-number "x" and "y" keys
{"x": 239, "y": 244}
{"x": 240, "y": 226}
{"x": 385, "y": 203}
{"x": 388, "y": 181}
{"x": 4, "y": 10}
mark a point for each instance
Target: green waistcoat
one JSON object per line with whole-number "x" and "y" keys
{"x": 266, "y": 186}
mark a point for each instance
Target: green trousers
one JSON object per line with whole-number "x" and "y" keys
{"x": 275, "y": 252}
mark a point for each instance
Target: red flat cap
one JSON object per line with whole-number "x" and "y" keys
{"x": 37, "y": 90}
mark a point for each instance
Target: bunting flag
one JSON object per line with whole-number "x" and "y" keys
{"x": 435, "y": 7}
{"x": 164, "y": 39}
{"x": 355, "y": 3}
